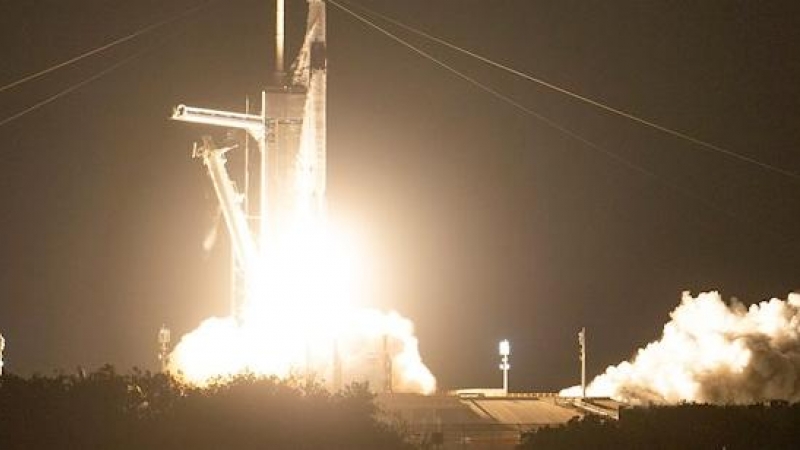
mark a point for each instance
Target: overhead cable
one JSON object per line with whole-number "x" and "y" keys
{"x": 596, "y": 103}
{"x": 107, "y": 46}
{"x": 492, "y": 91}
{"x": 84, "y": 82}
{"x": 66, "y": 91}
{"x": 616, "y": 157}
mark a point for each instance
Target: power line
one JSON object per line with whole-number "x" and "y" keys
{"x": 616, "y": 157}
{"x": 90, "y": 79}
{"x": 596, "y": 103}
{"x": 107, "y": 46}
{"x": 495, "y": 93}
{"x": 72, "y": 88}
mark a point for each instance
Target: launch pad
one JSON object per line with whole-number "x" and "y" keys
{"x": 485, "y": 422}
{"x": 290, "y": 135}
{"x": 292, "y": 310}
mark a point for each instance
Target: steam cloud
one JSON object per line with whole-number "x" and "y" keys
{"x": 361, "y": 338}
{"x": 712, "y": 352}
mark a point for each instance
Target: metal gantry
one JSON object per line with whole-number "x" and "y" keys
{"x": 582, "y": 345}
{"x": 290, "y": 133}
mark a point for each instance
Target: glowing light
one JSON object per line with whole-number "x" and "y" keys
{"x": 504, "y": 348}
{"x": 303, "y": 311}
{"x": 303, "y": 282}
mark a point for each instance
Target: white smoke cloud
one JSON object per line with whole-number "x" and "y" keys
{"x": 286, "y": 345}
{"x": 713, "y": 352}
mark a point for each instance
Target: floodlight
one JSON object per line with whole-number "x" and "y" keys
{"x": 505, "y": 348}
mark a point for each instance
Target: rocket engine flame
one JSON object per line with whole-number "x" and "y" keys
{"x": 221, "y": 347}
{"x": 301, "y": 318}
{"x": 712, "y": 352}
{"x": 298, "y": 314}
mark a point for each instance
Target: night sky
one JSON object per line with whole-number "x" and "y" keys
{"x": 481, "y": 222}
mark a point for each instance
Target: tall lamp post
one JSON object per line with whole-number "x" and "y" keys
{"x": 582, "y": 344}
{"x": 505, "y": 351}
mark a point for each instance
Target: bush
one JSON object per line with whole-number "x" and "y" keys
{"x": 774, "y": 425}
{"x": 143, "y": 410}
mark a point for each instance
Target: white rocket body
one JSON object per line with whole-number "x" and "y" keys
{"x": 310, "y": 71}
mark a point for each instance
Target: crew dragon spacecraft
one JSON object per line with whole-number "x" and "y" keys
{"x": 290, "y": 135}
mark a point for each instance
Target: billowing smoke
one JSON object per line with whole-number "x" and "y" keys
{"x": 363, "y": 345}
{"x": 302, "y": 316}
{"x": 297, "y": 315}
{"x": 713, "y": 352}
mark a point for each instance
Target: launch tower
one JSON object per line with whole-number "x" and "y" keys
{"x": 290, "y": 134}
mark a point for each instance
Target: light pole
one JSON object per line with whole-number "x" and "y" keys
{"x": 582, "y": 344}
{"x": 505, "y": 351}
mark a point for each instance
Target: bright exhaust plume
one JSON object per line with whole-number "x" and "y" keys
{"x": 301, "y": 281}
{"x": 713, "y": 352}
{"x": 302, "y": 319}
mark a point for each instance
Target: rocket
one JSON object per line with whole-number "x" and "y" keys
{"x": 296, "y": 108}
{"x": 291, "y": 135}
{"x": 313, "y": 146}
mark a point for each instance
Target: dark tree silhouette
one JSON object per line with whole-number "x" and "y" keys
{"x": 774, "y": 425}
{"x": 142, "y": 410}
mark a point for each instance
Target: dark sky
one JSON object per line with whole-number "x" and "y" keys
{"x": 483, "y": 222}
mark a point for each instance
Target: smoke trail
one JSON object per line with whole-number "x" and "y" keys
{"x": 712, "y": 352}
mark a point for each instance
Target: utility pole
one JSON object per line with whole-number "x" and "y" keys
{"x": 582, "y": 344}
